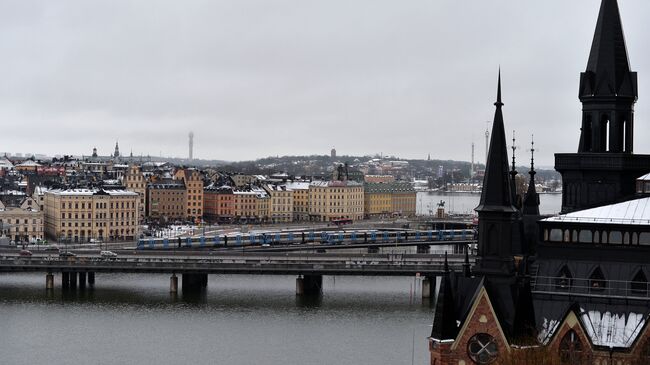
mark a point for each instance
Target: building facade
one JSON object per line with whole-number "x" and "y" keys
{"x": 193, "y": 181}
{"x": 166, "y": 200}
{"x": 281, "y": 204}
{"x": 22, "y": 223}
{"x": 334, "y": 200}
{"x": 79, "y": 215}
{"x": 135, "y": 181}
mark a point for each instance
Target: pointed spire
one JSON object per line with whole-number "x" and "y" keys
{"x": 531, "y": 202}
{"x": 497, "y": 191}
{"x": 513, "y": 174}
{"x": 444, "y": 317}
{"x": 467, "y": 270}
{"x": 498, "y": 102}
{"x": 608, "y": 69}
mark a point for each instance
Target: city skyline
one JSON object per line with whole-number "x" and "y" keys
{"x": 253, "y": 79}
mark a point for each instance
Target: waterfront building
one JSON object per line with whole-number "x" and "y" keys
{"x": 332, "y": 200}
{"x": 166, "y": 200}
{"x": 281, "y": 204}
{"x": 79, "y": 215}
{"x": 300, "y": 200}
{"x": 193, "y": 181}
{"x": 251, "y": 204}
{"x": 135, "y": 181}
{"x": 23, "y": 222}
{"x": 218, "y": 204}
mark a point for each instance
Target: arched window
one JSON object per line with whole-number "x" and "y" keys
{"x": 482, "y": 348}
{"x": 564, "y": 280}
{"x": 571, "y": 349}
{"x": 597, "y": 280}
{"x": 639, "y": 284}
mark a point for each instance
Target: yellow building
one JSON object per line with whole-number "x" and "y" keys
{"x": 194, "y": 191}
{"x": 391, "y": 198}
{"x": 300, "y": 200}
{"x": 135, "y": 181}
{"x": 79, "y": 215}
{"x": 333, "y": 200}
{"x": 281, "y": 204}
{"x": 251, "y": 204}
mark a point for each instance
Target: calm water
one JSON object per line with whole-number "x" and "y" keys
{"x": 464, "y": 203}
{"x": 132, "y": 319}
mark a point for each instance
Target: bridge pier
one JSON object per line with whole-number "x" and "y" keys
{"x": 173, "y": 284}
{"x": 49, "y": 281}
{"x": 65, "y": 280}
{"x": 194, "y": 281}
{"x": 91, "y": 278}
{"x": 82, "y": 280}
{"x": 428, "y": 287}
{"x": 309, "y": 285}
{"x": 73, "y": 280}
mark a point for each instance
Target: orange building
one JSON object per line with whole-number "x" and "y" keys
{"x": 218, "y": 204}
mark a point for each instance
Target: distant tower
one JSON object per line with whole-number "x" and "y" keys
{"x": 117, "y": 150}
{"x": 94, "y": 151}
{"x": 429, "y": 157}
{"x": 333, "y": 153}
{"x": 471, "y": 169}
{"x": 191, "y": 135}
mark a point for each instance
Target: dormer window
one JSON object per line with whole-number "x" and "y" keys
{"x": 564, "y": 281}
{"x": 597, "y": 280}
{"x": 571, "y": 348}
{"x": 639, "y": 284}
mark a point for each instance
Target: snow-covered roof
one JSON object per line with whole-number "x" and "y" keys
{"x": 28, "y": 163}
{"x": 5, "y": 163}
{"x": 645, "y": 177}
{"x": 298, "y": 185}
{"x": 611, "y": 329}
{"x": 635, "y": 211}
{"x": 89, "y": 192}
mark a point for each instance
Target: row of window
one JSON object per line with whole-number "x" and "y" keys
{"x": 596, "y": 236}
{"x": 597, "y": 281}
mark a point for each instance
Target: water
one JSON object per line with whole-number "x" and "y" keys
{"x": 129, "y": 319}
{"x": 464, "y": 203}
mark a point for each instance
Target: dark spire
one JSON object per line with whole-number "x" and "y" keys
{"x": 444, "y": 318}
{"x": 531, "y": 202}
{"x": 467, "y": 270}
{"x": 497, "y": 194}
{"x": 608, "y": 69}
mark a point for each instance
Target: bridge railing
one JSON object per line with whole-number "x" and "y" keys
{"x": 306, "y": 237}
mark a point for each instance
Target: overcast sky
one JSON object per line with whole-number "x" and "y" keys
{"x": 254, "y": 78}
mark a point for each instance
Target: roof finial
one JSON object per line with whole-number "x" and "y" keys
{"x": 499, "y": 103}
{"x": 532, "y": 153}
{"x": 513, "y": 153}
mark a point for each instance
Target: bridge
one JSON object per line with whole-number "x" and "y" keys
{"x": 194, "y": 266}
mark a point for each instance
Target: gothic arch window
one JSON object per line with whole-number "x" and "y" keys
{"x": 482, "y": 348}
{"x": 564, "y": 279}
{"x": 639, "y": 284}
{"x": 571, "y": 349}
{"x": 597, "y": 280}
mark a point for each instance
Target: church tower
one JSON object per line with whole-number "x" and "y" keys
{"x": 604, "y": 169}
{"x": 498, "y": 217}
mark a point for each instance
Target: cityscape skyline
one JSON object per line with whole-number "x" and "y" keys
{"x": 253, "y": 80}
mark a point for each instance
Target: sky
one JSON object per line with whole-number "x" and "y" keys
{"x": 257, "y": 78}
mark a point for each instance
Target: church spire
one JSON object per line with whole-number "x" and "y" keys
{"x": 608, "y": 89}
{"x": 497, "y": 194}
{"x": 608, "y": 63}
{"x": 513, "y": 174}
{"x": 531, "y": 202}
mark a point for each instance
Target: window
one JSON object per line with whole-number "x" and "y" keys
{"x": 564, "y": 281}
{"x": 482, "y": 348}
{"x": 597, "y": 280}
{"x": 571, "y": 348}
{"x": 639, "y": 284}
{"x": 615, "y": 237}
{"x": 585, "y": 236}
{"x": 556, "y": 235}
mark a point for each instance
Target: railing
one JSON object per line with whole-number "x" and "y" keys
{"x": 577, "y": 219}
{"x": 558, "y": 285}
